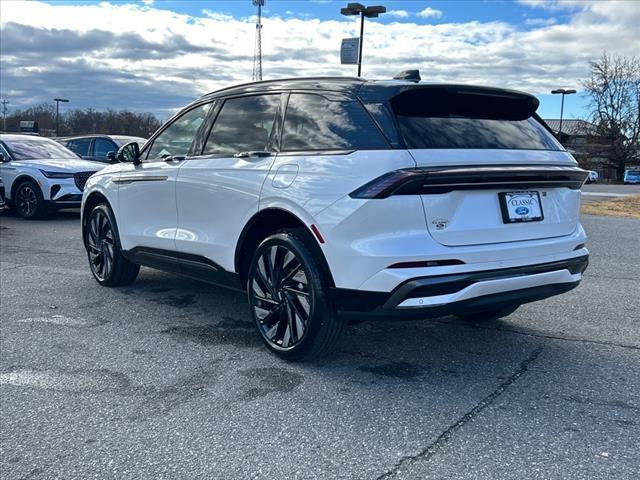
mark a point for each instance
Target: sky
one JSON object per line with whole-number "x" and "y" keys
{"x": 160, "y": 55}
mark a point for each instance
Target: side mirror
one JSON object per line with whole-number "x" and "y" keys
{"x": 111, "y": 156}
{"x": 129, "y": 153}
{"x": 1, "y": 157}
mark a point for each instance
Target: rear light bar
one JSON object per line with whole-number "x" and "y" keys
{"x": 425, "y": 181}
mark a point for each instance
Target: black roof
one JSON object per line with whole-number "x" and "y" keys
{"x": 336, "y": 84}
{"x": 368, "y": 90}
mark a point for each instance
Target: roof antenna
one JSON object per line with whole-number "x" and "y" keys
{"x": 410, "y": 75}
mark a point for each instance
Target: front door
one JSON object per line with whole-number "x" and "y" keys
{"x": 147, "y": 191}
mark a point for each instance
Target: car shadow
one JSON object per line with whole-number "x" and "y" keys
{"x": 380, "y": 349}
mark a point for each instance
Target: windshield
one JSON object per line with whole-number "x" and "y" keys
{"x": 41, "y": 149}
{"x": 438, "y": 118}
{"x": 633, "y": 172}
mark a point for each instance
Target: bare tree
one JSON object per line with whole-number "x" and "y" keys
{"x": 614, "y": 88}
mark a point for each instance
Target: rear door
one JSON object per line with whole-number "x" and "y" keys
{"x": 493, "y": 173}
{"x": 218, "y": 190}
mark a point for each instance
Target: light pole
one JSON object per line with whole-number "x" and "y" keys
{"x": 4, "y": 102}
{"x": 58, "y": 100}
{"x": 369, "y": 12}
{"x": 563, "y": 92}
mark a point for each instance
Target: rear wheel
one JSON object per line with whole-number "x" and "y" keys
{"x": 488, "y": 315}
{"x": 29, "y": 202}
{"x": 108, "y": 265}
{"x": 289, "y": 299}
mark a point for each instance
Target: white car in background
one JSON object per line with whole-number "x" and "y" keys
{"x": 40, "y": 175}
{"x": 2, "y": 204}
{"x": 593, "y": 176}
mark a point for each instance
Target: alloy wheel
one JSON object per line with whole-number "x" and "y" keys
{"x": 27, "y": 200}
{"x": 101, "y": 245}
{"x": 281, "y": 297}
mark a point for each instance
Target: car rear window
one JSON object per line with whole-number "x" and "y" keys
{"x": 441, "y": 118}
{"x": 313, "y": 122}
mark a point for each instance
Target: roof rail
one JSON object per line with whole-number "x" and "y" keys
{"x": 286, "y": 79}
{"x": 410, "y": 75}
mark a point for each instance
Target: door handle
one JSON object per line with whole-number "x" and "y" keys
{"x": 177, "y": 158}
{"x": 252, "y": 153}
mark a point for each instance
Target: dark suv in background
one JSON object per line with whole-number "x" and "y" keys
{"x": 100, "y": 148}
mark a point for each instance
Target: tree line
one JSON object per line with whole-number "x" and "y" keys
{"x": 81, "y": 122}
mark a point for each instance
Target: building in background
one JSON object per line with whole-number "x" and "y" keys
{"x": 582, "y": 140}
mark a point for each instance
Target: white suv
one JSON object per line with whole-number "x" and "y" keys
{"x": 40, "y": 175}
{"x": 326, "y": 195}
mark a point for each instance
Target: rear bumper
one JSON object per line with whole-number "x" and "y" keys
{"x": 456, "y": 293}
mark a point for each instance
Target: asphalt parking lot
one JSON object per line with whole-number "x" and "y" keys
{"x": 166, "y": 378}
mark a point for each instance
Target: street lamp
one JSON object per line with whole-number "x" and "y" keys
{"x": 563, "y": 92}
{"x": 369, "y": 12}
{"x": 58, "y": 100}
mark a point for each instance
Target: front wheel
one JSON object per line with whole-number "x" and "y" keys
{"x": 108, "y": 266}
{"x": 288, "y": 294}
{"x": 29, "y": 201}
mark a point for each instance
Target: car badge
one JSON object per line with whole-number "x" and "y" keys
{"x": 440, "y": 223}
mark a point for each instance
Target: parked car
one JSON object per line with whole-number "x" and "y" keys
{"x": 631, "y": 176}
{"x": 593, "y": 176}
{"x": 41, "y": 175}
{"x": 325, "y": 195}
{"x": 101, "y": 148}
{"x": 3, "y": 205}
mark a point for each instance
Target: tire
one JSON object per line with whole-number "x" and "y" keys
{"x": 28, "y": 201}
{"x": 108, "y": 266}
{"x": 288, "y": 293}
{"x": 488, "y": 315}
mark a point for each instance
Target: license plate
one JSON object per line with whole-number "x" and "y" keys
{"x": 520, "y": 207}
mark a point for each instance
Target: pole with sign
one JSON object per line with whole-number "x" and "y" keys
{"x": 349, "y": 51}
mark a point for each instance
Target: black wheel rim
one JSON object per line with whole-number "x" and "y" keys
{"x": 100, "y": 245}
{"x": 281, "y": 297}
{"x": 27, "y": 200}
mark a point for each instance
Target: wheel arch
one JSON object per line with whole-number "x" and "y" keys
{"x": 20, "y": 179}
{"x": 265, "y": 223}
{"x": 94, "y": 198}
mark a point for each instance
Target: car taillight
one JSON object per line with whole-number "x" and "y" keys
{"x": 437, "y": 180}
{"x": 388, "y": 184}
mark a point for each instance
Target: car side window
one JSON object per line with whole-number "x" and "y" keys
{"x": 102, "y": 146}
{"x": 313, "y": 122}
{"x": 4, "y": 152}
{"x": 80, "y": 146}
{"x": 244, "y": 124}
{"x": 176, "y": 139}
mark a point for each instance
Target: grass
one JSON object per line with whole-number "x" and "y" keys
{"x": 626, "y": 207}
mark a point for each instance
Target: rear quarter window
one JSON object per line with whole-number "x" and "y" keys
{"x": 313, "y": 122}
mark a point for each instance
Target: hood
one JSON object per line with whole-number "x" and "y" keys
{"x": 64, "y": 164}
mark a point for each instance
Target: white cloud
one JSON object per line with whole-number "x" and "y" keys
{"x": 398, "y": 13}
{"x": 149, "y": 58}
{"x": 541, "y": 22}
{"x": 430, "y": 13}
